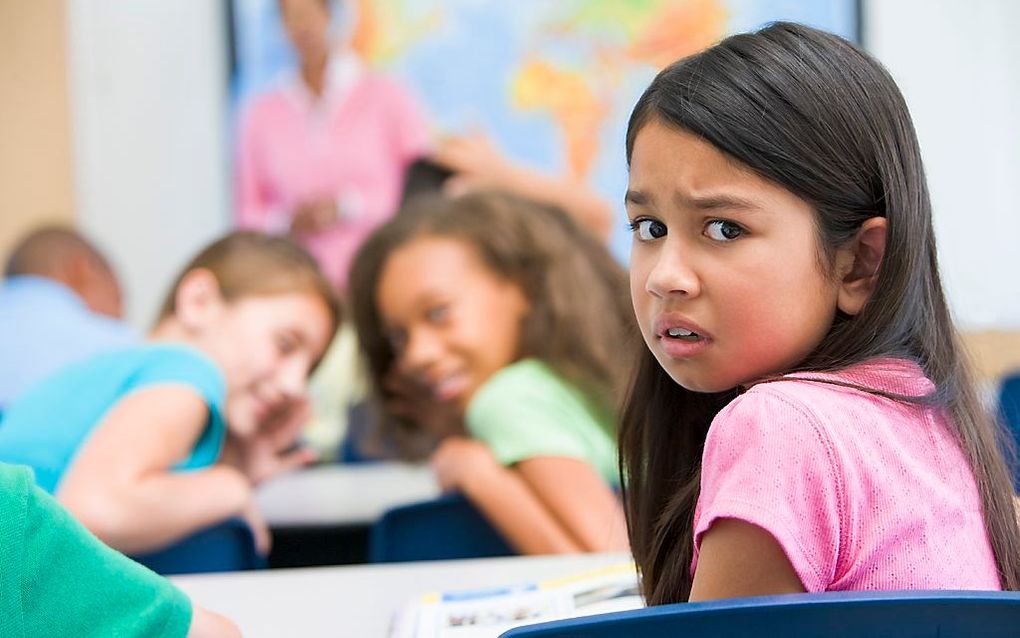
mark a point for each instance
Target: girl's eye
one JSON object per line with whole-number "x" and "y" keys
{"x": 437, "y": 314}
{"x": 722, "y": 230}
{"x": 648, "y": 229}
{"x": 285, "y": 345}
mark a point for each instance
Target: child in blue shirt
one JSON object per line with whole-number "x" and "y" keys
{"x": 149, "y": 444}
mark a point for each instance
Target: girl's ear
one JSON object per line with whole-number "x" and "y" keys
{"x": 198, "y": 300}
{"x": 858, "y": 264}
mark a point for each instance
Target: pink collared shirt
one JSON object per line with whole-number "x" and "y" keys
{"x": 860, "y": 491}
{"x": 352, "y": 146}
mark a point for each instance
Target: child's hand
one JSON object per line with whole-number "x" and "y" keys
{"x": 412, "y": 401}
{"x": 314, "y": 216}
{"x": 459, "y": 459}
{"x": 271, "y": 450}
{"x": 259, "y": 528}
{"x": 475, "y": 161}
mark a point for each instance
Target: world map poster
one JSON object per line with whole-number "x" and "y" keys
{"x": 551, "y": 83}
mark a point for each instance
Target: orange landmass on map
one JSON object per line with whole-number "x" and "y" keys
{"x": 678, "y": 29}
{"x": 578, "y": 112}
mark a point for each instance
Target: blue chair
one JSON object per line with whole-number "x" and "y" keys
{"x": 226, "y": 547}
{"x": 903, "y": 614}
{"x": 445, "y": 528}
{"x": 1009, "y": 413}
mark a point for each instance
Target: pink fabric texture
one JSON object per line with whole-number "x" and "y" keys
{"x": 352, "y": 146}
{"x": 860, "y": 491}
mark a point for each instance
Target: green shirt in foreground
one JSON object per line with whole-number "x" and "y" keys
{"x": 526, "y": 410}
{"x": 57, "y": 579}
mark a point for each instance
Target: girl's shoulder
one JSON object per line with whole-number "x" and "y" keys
{"x": 830, "y": 405}
{"x": 877, "y": 382}
{"x": 527, "y": 379}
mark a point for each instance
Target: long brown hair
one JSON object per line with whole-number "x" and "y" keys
{"x": 579, "y": 318}
{"x": 808, "y": 111}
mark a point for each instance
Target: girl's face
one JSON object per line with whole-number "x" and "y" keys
{"x": 307, "y": 25}
{"x": 725, "y": 270}
{"x": 452, "y": 322}
{"x": 266, "y": 346}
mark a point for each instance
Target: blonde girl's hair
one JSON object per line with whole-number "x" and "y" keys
{"x": 249, "y": 264}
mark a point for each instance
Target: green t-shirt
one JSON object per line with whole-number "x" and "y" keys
{"x": 57, "y": 579}
{"x": 526, "y": 410}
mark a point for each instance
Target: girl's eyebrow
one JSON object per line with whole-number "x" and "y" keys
{"x": 635, "y": 197}
{"x": 715, "y": 202}
{"x": 708, "y": 202}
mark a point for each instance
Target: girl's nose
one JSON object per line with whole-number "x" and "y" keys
{"x": 672, "y": 273}
{"x": 421, "y": 351}
{"x": 293, "y": 379}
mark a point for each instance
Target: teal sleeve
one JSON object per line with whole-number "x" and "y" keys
{"x": 73, "y": 584}
{"x": 525, "y": 412}
{"x": 184, "y": 366}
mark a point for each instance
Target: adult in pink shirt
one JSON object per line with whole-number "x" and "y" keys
{"x": 322, "y": 156}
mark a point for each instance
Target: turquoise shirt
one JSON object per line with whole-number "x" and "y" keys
{"x": 46, "y": 426}
{"x": 526, "y": 410}
{"x": 57, "y": 579}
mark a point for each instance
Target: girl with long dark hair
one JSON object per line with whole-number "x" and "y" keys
{"x": 803, "y": 418}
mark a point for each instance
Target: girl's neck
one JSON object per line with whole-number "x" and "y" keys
{"x": 313, "y": 72}
{"x": 171, "y": 330}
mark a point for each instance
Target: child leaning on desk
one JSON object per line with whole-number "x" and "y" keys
{"x": 507, "y": 317}
{"x": 149, "y": 444}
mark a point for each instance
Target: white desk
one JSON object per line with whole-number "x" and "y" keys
{"x": 343, "y": 494}
{"x": 360, "y": 601}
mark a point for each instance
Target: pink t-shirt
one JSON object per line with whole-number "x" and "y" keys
{"x": 861, "y": 492}
{"x": 351, "y": 146}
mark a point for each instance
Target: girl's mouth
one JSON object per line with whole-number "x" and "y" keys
{"x": 683, "y": 334}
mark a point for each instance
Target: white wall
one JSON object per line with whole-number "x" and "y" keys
{"x": 148, "y": 95}
{"x": 958, "y": 65}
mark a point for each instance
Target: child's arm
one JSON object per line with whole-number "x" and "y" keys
{"x": 579, "y": 499}
{"x": 478, "y": 165}
{"x": 738, "y": 559}
{"x": 120, "y": 486}
{"x": 510, "y": 502}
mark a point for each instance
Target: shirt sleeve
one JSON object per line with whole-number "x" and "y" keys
{"x": 767, "y": 462}
{"x": 520, "y": 414}
{"x": 180, "y": 366}
{"x": 73, "y": 584}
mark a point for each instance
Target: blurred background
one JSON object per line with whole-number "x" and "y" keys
{"x": 121, "y": 116}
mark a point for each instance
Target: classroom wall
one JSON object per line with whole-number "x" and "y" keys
{"x": 958, "y": 65}
{"x": 35, "y": 135}
{"x": 148, "y": 91}
{"x": 151, "y": 160}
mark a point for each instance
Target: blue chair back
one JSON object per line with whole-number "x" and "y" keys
{"x": 226, "y": 547}
{"x": 1009, "y": 412}
{"x": 906, "y": 614}
{"x": 445, "y": 528}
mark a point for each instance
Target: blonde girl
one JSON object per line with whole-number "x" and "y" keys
{"x": 149, "y": 444}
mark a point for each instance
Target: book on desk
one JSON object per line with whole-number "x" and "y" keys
{"x": 489, "y": 612}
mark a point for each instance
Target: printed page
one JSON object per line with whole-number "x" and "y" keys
{"x": 487, "y": 613}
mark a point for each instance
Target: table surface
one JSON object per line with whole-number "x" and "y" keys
{"x": 331, "y": 495}
{"x": 361, "y": 600}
